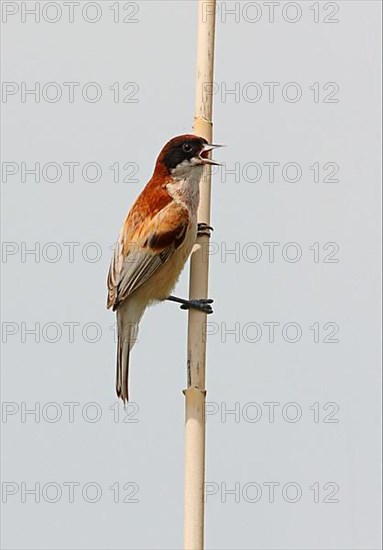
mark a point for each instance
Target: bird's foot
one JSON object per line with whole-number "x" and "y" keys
{"x": 200, "y": 305}
{"x": 204, "y": 229}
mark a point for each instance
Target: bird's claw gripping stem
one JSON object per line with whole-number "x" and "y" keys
{"x": 200, "y": 305}
{"x": 204, "y": 229}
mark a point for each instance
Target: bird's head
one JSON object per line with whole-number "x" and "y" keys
{"x": 184, "y": 154}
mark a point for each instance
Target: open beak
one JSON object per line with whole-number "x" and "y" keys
{"x": 205, "y": 152}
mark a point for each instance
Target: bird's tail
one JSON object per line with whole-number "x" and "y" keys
{"x": 128, "y": 318}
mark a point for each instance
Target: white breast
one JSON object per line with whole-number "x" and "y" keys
{"x": 185, "y": 186}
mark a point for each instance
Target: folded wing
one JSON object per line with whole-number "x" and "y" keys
{"x": 143, "y": 246}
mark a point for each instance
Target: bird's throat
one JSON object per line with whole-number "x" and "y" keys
{"x": 185, "y": 190}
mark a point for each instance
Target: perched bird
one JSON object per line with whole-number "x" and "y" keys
{"x": 155, "y": 242}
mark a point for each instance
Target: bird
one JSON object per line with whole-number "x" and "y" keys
{"x": 155, "y": 242}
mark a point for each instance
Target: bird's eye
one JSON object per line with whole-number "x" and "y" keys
{"x": 187, "y": 148}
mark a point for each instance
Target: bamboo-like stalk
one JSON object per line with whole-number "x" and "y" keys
{"x": 195, "y": 394}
